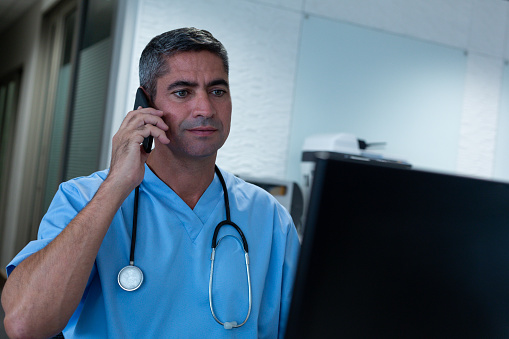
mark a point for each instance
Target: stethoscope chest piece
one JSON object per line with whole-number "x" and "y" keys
{"x": 130, "y": 278}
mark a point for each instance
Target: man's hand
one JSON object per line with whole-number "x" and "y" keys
{"x": 128, "y": 157}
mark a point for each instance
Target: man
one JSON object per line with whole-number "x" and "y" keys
{"x": 68, "y": 278}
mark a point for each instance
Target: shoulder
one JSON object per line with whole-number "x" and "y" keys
{"x": 72, "y": 196}
{"x": 253, "y": 198}
{"x": 81, "y": 189}
{"x": 240, "y": 189}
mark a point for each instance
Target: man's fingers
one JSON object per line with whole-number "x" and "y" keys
{"x": 154, "y": 121}
{"x": 156, "y": 132}
{"x": 144, "y": 116}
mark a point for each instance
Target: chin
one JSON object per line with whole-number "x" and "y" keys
{"x": 203, "y": 150}
{"x": 196, "y": 153}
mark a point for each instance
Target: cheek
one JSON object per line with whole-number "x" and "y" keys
{"x": 171, "y": 122}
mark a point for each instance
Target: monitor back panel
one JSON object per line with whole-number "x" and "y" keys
{"x": 398, "y": 253}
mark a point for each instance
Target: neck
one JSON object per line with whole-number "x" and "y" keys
{"x": 189, "y": 178}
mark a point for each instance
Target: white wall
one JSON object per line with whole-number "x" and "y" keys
{"x": 263, "y": 37}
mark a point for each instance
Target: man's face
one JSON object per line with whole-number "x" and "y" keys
{"x": 195, "y": 98}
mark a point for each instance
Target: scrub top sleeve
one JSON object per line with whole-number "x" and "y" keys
{"x": 66, "y": 204}
{"x": 289, "y": 268}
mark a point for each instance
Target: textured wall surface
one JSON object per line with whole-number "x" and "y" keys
{"x": 262, "y": 37}
{"x": 480, "y": 111}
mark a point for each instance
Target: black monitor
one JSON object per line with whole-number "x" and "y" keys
{"x": 401, "y": 253}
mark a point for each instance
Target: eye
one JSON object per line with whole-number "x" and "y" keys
{"x": 181, "y": 93}
{"x": 218, "y": 92}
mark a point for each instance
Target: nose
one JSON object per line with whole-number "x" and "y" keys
{"x": 203, "y": 105}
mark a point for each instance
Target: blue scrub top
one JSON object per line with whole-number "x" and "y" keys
{"x": 173, "y": 249}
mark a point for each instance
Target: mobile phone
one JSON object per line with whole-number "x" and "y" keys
{"x": 142, "y": 100}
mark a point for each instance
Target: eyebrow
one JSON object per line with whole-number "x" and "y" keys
{"x": 184, "y": 83}
{"x": 218, "y": 82}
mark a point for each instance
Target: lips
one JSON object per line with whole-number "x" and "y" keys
{"x": 202, "y": 130}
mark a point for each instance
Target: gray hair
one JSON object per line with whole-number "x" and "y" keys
{"x": 153, "y": 63}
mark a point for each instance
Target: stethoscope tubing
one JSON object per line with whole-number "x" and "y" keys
{"x": 135, "y": 224}
{"x": 229, "y": 325}
{"x": 215, "y": 243}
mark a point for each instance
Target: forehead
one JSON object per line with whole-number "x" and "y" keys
{"x": 192, "y": 62}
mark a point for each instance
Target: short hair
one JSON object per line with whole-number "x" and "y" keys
{"x": 153, "y": 63}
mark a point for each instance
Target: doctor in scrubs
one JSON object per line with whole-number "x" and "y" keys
{"x": 68, "y": 279}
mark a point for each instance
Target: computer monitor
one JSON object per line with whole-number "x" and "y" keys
{"x": 402, "y": 253}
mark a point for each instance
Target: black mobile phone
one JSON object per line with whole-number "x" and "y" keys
{"x": 142, "y": 100}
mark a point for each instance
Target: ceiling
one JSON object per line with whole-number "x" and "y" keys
{"x": 10, "y": 10}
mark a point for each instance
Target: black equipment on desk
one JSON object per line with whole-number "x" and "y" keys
{"x": 400, "y": 253}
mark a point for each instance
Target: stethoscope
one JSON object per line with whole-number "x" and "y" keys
{"x": 130, "y": 277}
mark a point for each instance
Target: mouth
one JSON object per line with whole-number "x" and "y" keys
{"x": 202, "y": 130}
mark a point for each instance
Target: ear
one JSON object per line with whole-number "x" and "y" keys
{"x": 149, "y": 97}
